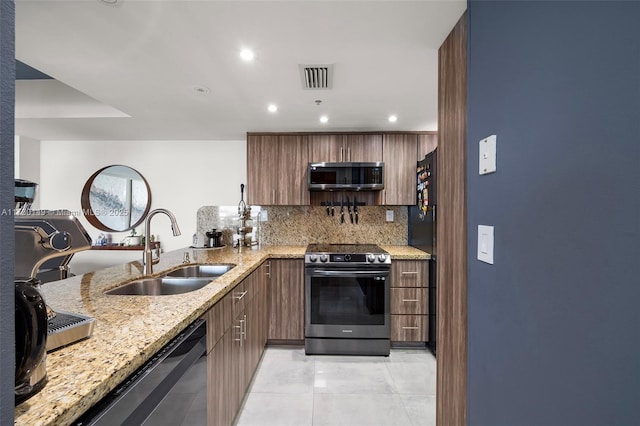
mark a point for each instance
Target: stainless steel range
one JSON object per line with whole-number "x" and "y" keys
{"x": 347, "y": 299}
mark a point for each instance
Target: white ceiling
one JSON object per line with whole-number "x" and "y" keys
{"x": 128, "y": 70}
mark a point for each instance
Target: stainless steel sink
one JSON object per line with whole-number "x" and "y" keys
{"x": 160, "y": 286}
{"x": 197, "y": 271}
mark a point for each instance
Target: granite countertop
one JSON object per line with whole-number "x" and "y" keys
{"x": 129, "y": 329}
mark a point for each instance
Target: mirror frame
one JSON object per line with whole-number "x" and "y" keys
{"x": 88, "y": 212}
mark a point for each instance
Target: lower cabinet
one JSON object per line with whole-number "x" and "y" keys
{"x": 233, "y": 357}
{"x": 409, "y": 301}
{"x": 285, "y": 284}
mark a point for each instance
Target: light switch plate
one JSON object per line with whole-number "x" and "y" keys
{"x": 485, "y": 243}
{"x": 264, "y": 217}
{"x": 389, "y": 215}
{"x": 487, "y": 161}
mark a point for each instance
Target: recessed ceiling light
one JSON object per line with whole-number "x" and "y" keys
{"x": 109, "y": 2}
{"x": 393, "y": 118}
{"x": 247, "y": 55}
{"x": 201, "y": 89}
{"x": 324, "y": 119}
{"x": 272, "y": 108}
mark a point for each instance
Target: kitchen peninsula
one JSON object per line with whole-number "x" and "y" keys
{"x": 130, "y": 329}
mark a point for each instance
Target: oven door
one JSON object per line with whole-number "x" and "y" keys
{"x": 347, "y": 303}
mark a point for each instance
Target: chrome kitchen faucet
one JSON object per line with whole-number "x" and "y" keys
{"x": 147, "y": 258}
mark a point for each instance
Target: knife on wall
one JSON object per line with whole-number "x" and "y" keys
{"x": 349, "y": 209}
{"x": 341, "y": 210}
{"x": 355, "y": 208}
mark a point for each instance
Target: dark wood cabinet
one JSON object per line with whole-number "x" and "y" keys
{"x": 277, "y": 169}
{"x": 233, "y": 357}
{"x": 346, "y": 147}
{"x": 426, "y": 144}
{"x": 399, "y": 154}
{"x": 286, "y": 299}
{"x": 277, "y": 164}
{"x": 409, "y": 301}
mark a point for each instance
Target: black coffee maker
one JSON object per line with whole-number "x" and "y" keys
{"x": 31, "y": 339}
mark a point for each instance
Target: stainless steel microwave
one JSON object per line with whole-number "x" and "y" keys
{"x": 345, "y": 176}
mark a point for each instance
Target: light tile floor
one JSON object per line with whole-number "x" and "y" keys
{"x": 290, "y": 388}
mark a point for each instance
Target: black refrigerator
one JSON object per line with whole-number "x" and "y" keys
{"x": 422, "y": 229}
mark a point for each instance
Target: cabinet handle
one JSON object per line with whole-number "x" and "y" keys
{"x": 341, "y": 153}
{"x": 242, "y": 336}
{"x": 410, "y": 300}
{"x": 349, "y": 153}
{"x": 268, "y": 269}
{"x": 273, "y": 196}
{"x": 410, "y": 328}
{"x": 409, "y": 273}
{"x": 242, "y": 294}
{"x": 244, "y": 323}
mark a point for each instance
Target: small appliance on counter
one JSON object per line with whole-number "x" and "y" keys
{"x": 41, "y": 237}
{"x": 31, "y": 339}
{"x": 243, "y": 230}
{"x": 214, "y": 238}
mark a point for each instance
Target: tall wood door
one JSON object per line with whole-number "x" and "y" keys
{"x": 399, "y": 153}
{"x": 277, "y": 170}
{"x": 286, "y": 299}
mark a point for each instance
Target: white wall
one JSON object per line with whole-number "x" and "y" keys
{"x": 27, "y": 162}
{"x": 182, "y": 175}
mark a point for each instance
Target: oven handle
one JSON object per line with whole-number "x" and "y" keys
{"x": 343, "y": 273}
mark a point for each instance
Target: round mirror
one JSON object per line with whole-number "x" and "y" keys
{"x": 116, "y": 198}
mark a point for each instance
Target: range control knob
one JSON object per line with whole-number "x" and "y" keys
{"x": 347, "y": 258}
{"x": 313, "y": 257}
{"x": 371, "y": 258}
{"x": 323, "y": 258}
{"x": 382, "y": 257}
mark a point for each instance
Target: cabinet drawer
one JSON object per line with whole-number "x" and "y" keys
{"x": 409, "y": 328}
{"x": 410, "y": 301}
{"x": 238, "y": 296}
{"x": 409, "y": 273}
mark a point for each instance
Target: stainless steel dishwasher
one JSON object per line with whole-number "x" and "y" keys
{"x": 170, "y": 389}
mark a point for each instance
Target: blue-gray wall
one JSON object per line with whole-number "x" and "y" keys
{"x": 7, "y": 333}
{"x": 554, "y": 324}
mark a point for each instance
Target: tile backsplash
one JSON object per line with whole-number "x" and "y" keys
{"x": 301, "y": 225}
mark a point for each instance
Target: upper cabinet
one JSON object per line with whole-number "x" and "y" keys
{"x": 277, "y": 170}
{"x": 345, "y": 148}
{"x": 399, "y": 155}
{"x": 277, "y": 164}
{"x": 426, "y": 144}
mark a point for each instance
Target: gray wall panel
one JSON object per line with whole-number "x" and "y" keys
{"x": 554, "y": 327}
{"x": 7, "y": 333}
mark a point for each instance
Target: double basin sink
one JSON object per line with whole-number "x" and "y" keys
{"x": 182, "y": 280}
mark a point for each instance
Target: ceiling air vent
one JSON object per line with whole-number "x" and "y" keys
{"x": 316, "y": 76}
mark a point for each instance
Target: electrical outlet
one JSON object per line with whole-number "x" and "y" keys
{"x": 389, "y": 215}
{"x": 263, "y": 216}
